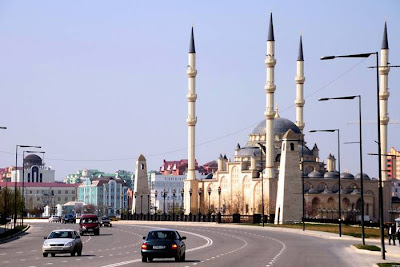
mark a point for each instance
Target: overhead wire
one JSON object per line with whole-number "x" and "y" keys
{"x": 205, "y": 142}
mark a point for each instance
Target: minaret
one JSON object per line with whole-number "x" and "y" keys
{"x": 300, "y": 88}
{"x": 191, "y": 184}
{"x": 383, "y": 98}
{"x": 269, "y": 111}
{"x": 141, "y": 187}
{"x": 191, "y": 119}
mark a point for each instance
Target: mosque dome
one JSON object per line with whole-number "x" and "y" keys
{"x": 33, "y": 159}
{"x": 331, "y": 175}
{"x": 346, "y": 175}
{"x": 281, "y": 126}
{"x": 249, "y": 151}
{"x": 365, "y": 176}
{"x": 85, "y": 173}
{"x": 315, "y": 174}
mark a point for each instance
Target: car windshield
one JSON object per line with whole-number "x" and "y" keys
{"x": 167, "y": 235}
{"x": 104, "y": 218}
{"x": 60, "y": 234}
{"x": 89, "y": 220}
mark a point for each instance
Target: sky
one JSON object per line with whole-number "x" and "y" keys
{"x": 97, "y": 83}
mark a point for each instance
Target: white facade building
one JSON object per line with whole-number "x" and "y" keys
{"x": 34, "y": 171}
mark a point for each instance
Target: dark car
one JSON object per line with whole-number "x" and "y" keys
{"x": 68, "y": 218}
{"x": 163, "y": 243}
{"x": 89, "y": 223}
{"x": 105, "y": 221}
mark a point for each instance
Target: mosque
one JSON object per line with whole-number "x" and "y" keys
{"x": 276, "y": 157}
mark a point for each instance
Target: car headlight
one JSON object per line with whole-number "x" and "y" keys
{"x": 69, "y": 244}
{"x": 45, "y": 244}
{"x": 83, "y": 227}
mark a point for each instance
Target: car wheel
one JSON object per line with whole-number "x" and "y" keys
{"x": 183, "y": 257}
{"x": 150, "y": 259}
{"x": 80, "y": 252}
{"x": 73, "y": 253}
{"x": 53, "y": 254}
{"x": 45, "y": 255}
{"x": 177, "y": 258}
{"x": 144, "y": 259}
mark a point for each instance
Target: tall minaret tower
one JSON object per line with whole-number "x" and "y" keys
{"x": 300, "y": 88}
{"x": 191, "y": 184}
{"x": 383, "y": 98}
{"x": 269, "y": 111}
{"x": 191, "y": 119}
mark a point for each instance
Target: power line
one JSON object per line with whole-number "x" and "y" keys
{"x": 206, "y": 142}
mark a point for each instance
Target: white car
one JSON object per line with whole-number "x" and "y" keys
{"x": 62, "y": 241}
{"x": 54, "y": 218}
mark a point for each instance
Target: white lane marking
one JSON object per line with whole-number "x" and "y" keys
{"x": 33, "y": 250}
{"x": 6, "y": 261}
{"x": 19, "y": 252}
{"x": 49, "y": 263}
{"x": 23, "y": 259}
{"x": 64, "y": 261}
{"x": 2, "y": 254}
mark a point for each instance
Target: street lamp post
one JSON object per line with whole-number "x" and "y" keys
{"x": 173, "y": 204}
{"x": 340, "y": 201}
{"x": 15, "y": 183}
{"x": 148, "y": 205}
{"x": 182, "y": 194}
{"x": 219, "y": 204}
{"x": 200, "y": 191}
{"x": 361, "y": 157}
{"x": 365, "y": 55}
{"x": 190, "y": 201}
{"x": 262, "y": 148}
{"x": 155, "y": 202}
{"x": 141, "y": 205}
{"x": 164, "y": 195}
{"x": 209, "y": 204}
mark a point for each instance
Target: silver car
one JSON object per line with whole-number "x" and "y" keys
{"x": 62, "y": 241}
{"x": 54, "y": 218}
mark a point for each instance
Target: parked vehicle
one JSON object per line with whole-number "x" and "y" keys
{"x": 62, "y": 241}
{"x": 54, "y": 218}
{"x": 68, "y": 218}
{"x": 163, "y": 243}
{"x": 105, "y": 221}
{"x": 89, "y": 223}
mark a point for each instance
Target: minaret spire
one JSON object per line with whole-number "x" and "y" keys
{"x": 191, "y": 46}
{"x": 299, "y": 102}
{"x": 269, "y": 109}
{"x": 385, "y": 44}
{"x": 191, "y": 184}
{"x": 383, "y": 99}
{"x": 271, "y": 36}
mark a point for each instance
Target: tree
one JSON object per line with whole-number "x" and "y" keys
{"x": 7, "y": 203}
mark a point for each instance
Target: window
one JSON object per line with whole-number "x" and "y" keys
{"x": 73, "y": 191}
{"x": 73, "y": 198}
{"x": 59, "y": 191}
{"x": 291, "y": 146}
{"x": 41, "y": 177}
{"x": 66, "y": 191}
{"x": 29, "y": 177}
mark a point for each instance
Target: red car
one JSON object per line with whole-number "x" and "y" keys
{"x": 89, "y": 223}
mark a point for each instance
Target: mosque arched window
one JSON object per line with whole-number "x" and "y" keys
{"x": 291, "y": 146}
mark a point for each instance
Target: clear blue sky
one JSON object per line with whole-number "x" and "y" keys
{"x": 105, "y": 80}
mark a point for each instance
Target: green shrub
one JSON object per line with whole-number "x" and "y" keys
{"x": 368, "y": 247}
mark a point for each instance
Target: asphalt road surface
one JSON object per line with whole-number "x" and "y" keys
{"x": 207, "y": 245}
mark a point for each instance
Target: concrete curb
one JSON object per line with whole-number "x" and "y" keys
{"x": 5, "y": 239}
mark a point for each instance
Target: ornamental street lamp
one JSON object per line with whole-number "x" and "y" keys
{"x": 148, "y": 204}
{"x": 340, "y": 201}
{"x": 173, "y": 203}
{"x": 219, "y": 204}
{"x": 209, "y": 204}
{"x": 199, "y": 191}
{"x": 190, "y": 201}
{"x": 164, "y": 195}
{"x": 155, "y": 202}
{"x": 182, "y": 194}
{"x": 262, "y": 148}
{"x": 361, "y": 157}
{"x": 15, "y": 183}
{"x": 141, "y": 204}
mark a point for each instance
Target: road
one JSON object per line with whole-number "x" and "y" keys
{"x": 207, "y": 245}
